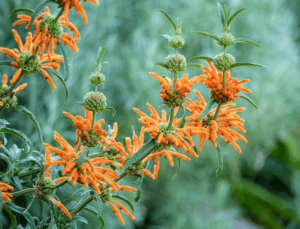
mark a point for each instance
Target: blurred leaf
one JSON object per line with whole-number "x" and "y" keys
{"x": 20, "y": 210}
{"x": 182, "y": 122}
{"x": 39, "y": 9}
{"x": 201, "y": 58}
{"x": 100, "y": 55}
{"x": 168, "y": 37}
{"x": 99, "y": 205}
{"x": 17, "y": 182}
{"x": 161, "y": 65}
{"x": 206, "y": 109}
{"x": 5, "y": 63}
{"x": 246, "y": 64}
{"x": 60, "y": 77}
{"x": 234, "y": 15}
{"x": 82, "y": 156}
{"x": 220, "y": 160}
{"x": 125, "y": 200}
{"x": 79, "y": 192}
{"x": 209, "y": 35}
{"x": 17, "y": 133}
{"x": 32, "y": 117}
{"x": 102, "y": 222}
{"x": 221, "y": 13}
{"x": 9, "y": 212}
{"x": 138, "y": 195}
{"x": 244, "y": 96}
{"x": 193, "y": 65}
{"x": 66, "y": 59}
{"x": 178, "y": 168}
{"x": 170, "y": 19}
{"x": 112, "y": 110}
{"x": 80, "y": 219}
{"x": 21, "y": 10}
{"x": 244, "y": 40}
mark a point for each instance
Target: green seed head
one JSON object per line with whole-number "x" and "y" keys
{"x": 55, "y": 28}
{"x": 92, "y": 140}
{"x": 176, "y": 42}
{"x": 97, "y": 78}
{"x": 7, "y": 101}
{"x": 176, "y": 63}
{"x": 94, "y": 101}
{"x": 227, "y": 39}
{"x": 222, "y": 62}
{"x": 29, "y": 63}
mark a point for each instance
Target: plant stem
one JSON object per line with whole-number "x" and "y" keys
{"x": 28, "y": 172}
{"x": 22, "y": 192}
{"x": 217, "y": 111}
{"x": 171, "y": 118}
{"x": 93, "y": 120}
{"x": 224, "y": 71}
{"x": 59, "y": 14}
{"x": 84, "y": 203}
{"x": 58, "y": 185}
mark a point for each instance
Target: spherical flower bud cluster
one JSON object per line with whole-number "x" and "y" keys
{"x": 29, "y": 63}
{"x": 97, "y": 78}
{"x": 39, "y": 191}
{"x": 110, "y": 152}
{"x": 55, "y": 28}
{"x": 5, "y": 100}
{"x": 176, "y": 42}
{"x": 94, "y": 101}
{"x": 227, "y": 39}
{"x": 172, "y": 98}
{"x": 134, "y": 169}
{"x": 224, "y": 62}
{"x": 89, "y": 138}
{"x": 175, "y": 63}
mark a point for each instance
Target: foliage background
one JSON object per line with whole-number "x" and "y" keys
{"x": 255, "y": 188}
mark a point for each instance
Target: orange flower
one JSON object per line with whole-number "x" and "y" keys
{"x": 67, "y": 4}
{"x": 174, "y": 97}
{"x": 5, "y": 195}
{"x": 166, "y": 137}
{"x": 214, "y": 80}
{"x": 61, "y": 207}
{"x": 227, "y": 118}
{"x": 28, "y": 62}
{"x": 48, "y": 32}
{"x": 86, "y": 172}
{"x": 89, "y": 135}
{"x": 117, "y": 211}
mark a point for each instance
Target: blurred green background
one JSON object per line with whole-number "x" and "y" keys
{"x": 259, "y": 188}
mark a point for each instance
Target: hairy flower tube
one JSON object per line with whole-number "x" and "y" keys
{"x": 227, "y": 117}
{"x": 61, "y": 207}
{"x": 8, "y": 101}
{"x": 27, "y": 61}
{"x": 87, "y": 134}
{"x": 85, "y": 172}
{"x": 214, "y": 80}
{"x": 48, "y": 31}
{"x": 175, "y": 96}
{"x": 6, "y": 195}
{"x": 67, "y": 4}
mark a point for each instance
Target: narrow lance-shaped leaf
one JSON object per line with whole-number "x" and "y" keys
{"x": 100, "y": 55}
{"x": 182, "y": 122}
{"x": 99, "y": 205}
{"x": 234, "y": 15}
{"x": 225, "y": 13}
{"x": 82, "y": 156}
{"x": 111, "y": 109}
{"x": 244, "y": 96}
{"x": 125, "y": 200}
{"x": 246, "y": 64}
{"x": 220, "y": 160}
{"x": 60, "y": 77}
{"x": 17, "y": 133}
{"x": 138, "y": 195}
{"x": 168, "y": 37}
{"x": 192, "y": 65}
{"x": 201, "y": 58}
{"x": 206, "y": 109}
{"x": 11, "y": 215}
{"x": 66, "y": 59}
{"x": 221, "y": 12}
{"x": 244, "y": 40}
{"x": 209, "y": 35}
{"x": 141, "y": 153}
{"x": 39, "y": 9}
{"x": 5, "y": 63}
{"x": 102, "y": 222}
{"x": 21, "y": 10}
{"x": 20, "y": 210}
{"x": 170, "y": 19}
{"x": 161, "y": 65}
{"x": 178, "y": 168}
{"x": 32, "y": 117}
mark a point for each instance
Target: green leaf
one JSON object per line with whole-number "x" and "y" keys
{"x": 113, "y": 111}
{"x": 80, "y": 104}
{"x": 209, "y": 35}
{"x": 80, "y": 219}
{"x": 170, "y": 19}
{"x": 21, "y": 10}
{"x": 138, "y": 195}
{"x": 168, "y": 37}
{"x": 32, "y": 117}
{"x": 11, "y": 215}
{"x": 244, "y": 96}
{"x": 20, "y": 210}
{"x": 1, "y": 204}
{"x": 193, "y": 65}
{"x": 99, "y": 205}
{"x": 220, "y": 160}
{"x": 82, "y": 156}
{"x": 221, "y": 12}
{"x": 5, "y": 63}
{"x": 66, "y": 58}
{"x": 178, "y": 168}
{"x": 17, "y": 182}
{"x": 100, "y": 55}
{"x": 125, "y": 200}
{"x": 124, "y": 144}
{"x": 246, "y": 64}
{"x": 60, "y": 77}
{"x": 17, "y": 133}
{"x": 206, "y": 109}
{"x": 202, "y": 58}
{"x": 79, "y": 192}
{"x": 244, "y": 40}
{"x": 102, "y": 221}
{"x": 141, "y": 153}
{"x": 182, "y": 122}
{"x": 234, "y": 15}
{"x": 39, "y": 9}
{"x": 161, "y": 65}
{"x": 225, "y": 13}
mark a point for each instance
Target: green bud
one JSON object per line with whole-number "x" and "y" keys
{"x": 176, "y": 63}
{"x": 55, "y": 28}
{"x": 176, "y": 42}
{"x": 222, "y": 62}
{"x": 7, "y": 101}
{"x": 97, "y": 78}
{"x": 29, "y": 63}
{"x": 49, "y": 182}
{"x": 227, "y": 39}
{"x": 94, "y": 101}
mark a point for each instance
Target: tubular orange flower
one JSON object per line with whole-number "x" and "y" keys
{"x": 48, "y": 31}
{"x": 174, "y": 97}
{"x": 227, "y": 118}
{"x": 122, "y": 208}
{"x": 67, "y": 4}
{"x": 214, "y": 80}
{"x": 6, "y": 195}
{"x": 61, "y": 207}
{"x": 27, "y": 61}
{"x": 88, "y": 135}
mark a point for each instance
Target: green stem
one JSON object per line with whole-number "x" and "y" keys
{"x": 171, "y": 118}
{"x": 93, "y": 120}
{"x": 59, "y": 14}
{"x": 22, "y": 192}
{"x": 217, "y": 111}
{"x": 120, "y": 177}
{"x": 81, "y": 206}
{"x": 224, "y": 72}
{"x": 29, "y": 172}
{"x": 58, "y": 185}
{"x": 96, "y": 87}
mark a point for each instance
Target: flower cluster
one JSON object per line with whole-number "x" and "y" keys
{"x": 6, "y": 195}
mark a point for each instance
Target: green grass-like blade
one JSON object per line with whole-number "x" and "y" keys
{"x": 234, "y": 15}
{"x": 125, "y": 200}
{"x": 161, "y": 65}
{"x": 246, "y": 64}
{"x": 21, "y": 10}
{"x": 244, "y": 40}
{"x": 209, "y": 35}
{"x": 60, "y": 77}
{"x": 221, "y": 12}
{"x": 220, "y": 160}
{"x": 206, "y": 109}
{"x": 112, "y": 110}
{"x": 244, "y": 96}
{"x": 11, "y": 215}
{"x": 17, "y": 133}
{"x": 66, "y": 59}
{"x": 170, "y": 19}
{"x": 192, "y": 65}
{"x": 21, "y": 210}
{"x": 39, "y": 9}
{"x": 182, "y": 122}
{"x": 201, "y": 58}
